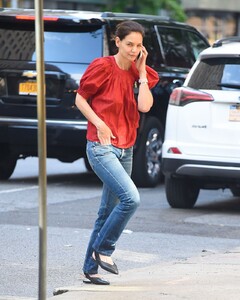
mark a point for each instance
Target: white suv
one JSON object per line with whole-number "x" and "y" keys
{"x": 202, "y": 138}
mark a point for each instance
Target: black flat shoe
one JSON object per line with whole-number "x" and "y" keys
{"x": 95, "y": 280}
{"x": 105, "y": 266}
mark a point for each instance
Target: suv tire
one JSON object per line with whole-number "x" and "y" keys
{"x": 235, "y": 191}
{"x": 87, "y": 164}
{"x": 147, "y": 158}
{"x": 181, "y": 193}
{"x": 7, "y": 166}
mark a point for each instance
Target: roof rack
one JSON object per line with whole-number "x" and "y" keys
{"x": 226, "y": 40}
{"x": 133, "y": 15}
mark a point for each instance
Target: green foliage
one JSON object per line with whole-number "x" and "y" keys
{"x": 172, "y": 7}
{"x": 175, "y": 9}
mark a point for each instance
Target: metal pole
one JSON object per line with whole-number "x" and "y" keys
{"x": 14, "y": 4}
{"x": 41, "y": 112}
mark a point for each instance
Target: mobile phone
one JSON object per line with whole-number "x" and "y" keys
{"x": 139, "y": 55}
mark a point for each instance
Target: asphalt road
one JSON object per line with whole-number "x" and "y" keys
{"x": 155, "y": 233}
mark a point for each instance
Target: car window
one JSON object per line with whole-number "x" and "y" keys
{"x": 74, "y": 47}
{"x": 154, "y": 58}
{"x": 174, "y": 47}
{"x": 197, "y": 45}
{"x": 216, "y": 74}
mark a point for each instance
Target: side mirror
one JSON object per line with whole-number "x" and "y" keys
{"x": 177, "y": 83}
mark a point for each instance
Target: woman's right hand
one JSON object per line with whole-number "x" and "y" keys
{"x": 104, "y": 134}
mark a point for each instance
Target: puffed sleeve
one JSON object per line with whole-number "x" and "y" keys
{"x": 97, "y": 73}
{"x": 152, "y": 77}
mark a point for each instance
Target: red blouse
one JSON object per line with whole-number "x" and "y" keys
{"x": 109, "y": 91}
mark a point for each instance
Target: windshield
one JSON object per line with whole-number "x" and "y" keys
{"x": 71, "y": 47}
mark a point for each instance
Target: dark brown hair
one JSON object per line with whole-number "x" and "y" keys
{"x": 126, "y": 27}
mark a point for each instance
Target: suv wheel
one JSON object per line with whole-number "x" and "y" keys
{"x": 147, "y": 158}
{"x": 235, "y": 191}
{"x": 7, "y": 166}
{"x": 181, "y": 193}
{"x": 87, "y": 164}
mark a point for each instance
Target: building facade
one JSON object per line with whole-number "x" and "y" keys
{"x": 214, "y": 18}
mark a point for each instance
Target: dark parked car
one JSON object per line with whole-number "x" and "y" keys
{"x": 72, "y": 39}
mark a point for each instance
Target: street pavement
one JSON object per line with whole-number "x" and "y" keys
{"x": 209, "y": 276}
{"x": 206, "y": 269}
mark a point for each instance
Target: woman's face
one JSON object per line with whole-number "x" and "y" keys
{"x": 130, "y": 46}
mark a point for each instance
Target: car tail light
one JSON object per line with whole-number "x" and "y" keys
{"x": 22, "y": 17}
{"x": 182, "y": 96}
{"x": 174, "y": 150}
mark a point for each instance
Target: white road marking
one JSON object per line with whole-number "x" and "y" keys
{"x": 19, "y": 189}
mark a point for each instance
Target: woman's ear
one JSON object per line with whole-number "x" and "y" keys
{"x": 117, "y": 41}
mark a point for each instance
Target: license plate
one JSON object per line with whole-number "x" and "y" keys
{"x": 28, "y": 88}
{"x": 234, "y": 113}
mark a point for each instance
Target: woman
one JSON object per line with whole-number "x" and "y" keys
{"x": 106, "y": 98}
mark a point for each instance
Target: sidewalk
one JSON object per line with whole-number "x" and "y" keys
{"x": 211, "y": 276}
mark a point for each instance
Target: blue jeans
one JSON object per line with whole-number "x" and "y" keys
{"x": 120, "y": 199}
